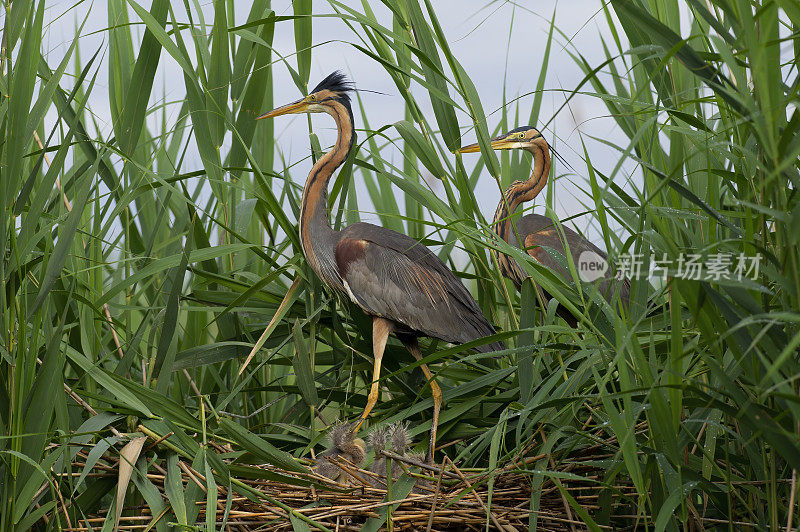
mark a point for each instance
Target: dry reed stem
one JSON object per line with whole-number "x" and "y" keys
{"x": 475, "y": 494}
{"x": 417, "y": 463}
{"x": 791, "y": 501}
{"x": 435, "y": 498}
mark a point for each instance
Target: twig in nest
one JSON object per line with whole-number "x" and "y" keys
{"x": 475, "y": 494}
{"x": 421, "y": 465}
{"x": 435, "y": 498}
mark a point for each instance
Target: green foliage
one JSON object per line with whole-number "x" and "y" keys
{"x": 134, "y": 289}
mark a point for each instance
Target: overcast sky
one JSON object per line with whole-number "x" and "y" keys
{"x": 478, "y": 32}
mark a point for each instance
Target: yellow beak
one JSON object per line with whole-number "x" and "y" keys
{"x": 497, "y": 144}
{"x": 300, "y": 106}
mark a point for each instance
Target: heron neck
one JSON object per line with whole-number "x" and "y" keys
{"x": 521, "y": 191}
{"x": 316, "y": 234}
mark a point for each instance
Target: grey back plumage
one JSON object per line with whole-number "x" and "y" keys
{"x": 538, "y": 232}
{"x": 391, "y": 275}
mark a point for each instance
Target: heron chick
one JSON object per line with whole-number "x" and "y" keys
{"x": 345, "y": 445}
{"x": 394, "y": 438}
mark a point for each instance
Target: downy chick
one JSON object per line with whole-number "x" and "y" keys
{"x": 343, "y": 444}
{"x": 393, "y": 438}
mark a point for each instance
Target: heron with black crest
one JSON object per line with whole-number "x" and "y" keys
{"x": 404, "y": 287}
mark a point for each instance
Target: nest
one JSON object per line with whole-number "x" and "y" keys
{"x": 558, "y": 493}
{"x": 424, "y": 497}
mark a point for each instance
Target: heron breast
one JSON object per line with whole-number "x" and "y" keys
{"x": 349, "y": 250}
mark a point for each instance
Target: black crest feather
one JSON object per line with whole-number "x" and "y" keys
{"x": 521, "y": 128}
{"x": 336, "y": 81}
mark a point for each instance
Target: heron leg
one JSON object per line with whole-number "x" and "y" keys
{"x": 436, "y": 392}
{"x": 381, "y": 328}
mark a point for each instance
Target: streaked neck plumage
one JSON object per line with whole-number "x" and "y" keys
{"x": 316, "y": 234}
{"x": 516, "y": 194}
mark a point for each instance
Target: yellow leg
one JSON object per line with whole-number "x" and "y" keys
{"x": 381, "y": 328}
{"x": 436, "y": 392}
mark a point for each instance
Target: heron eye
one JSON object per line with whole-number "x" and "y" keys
{"x": 312, "y": 98}
{"x": 520, "y": 136}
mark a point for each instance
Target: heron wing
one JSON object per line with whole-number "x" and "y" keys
{"x": 541, "y": 233}
{"x": 391, "y": 275}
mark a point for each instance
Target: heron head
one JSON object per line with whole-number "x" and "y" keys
{"x": 334, "y": 88}
{"x": 521, "y": 137}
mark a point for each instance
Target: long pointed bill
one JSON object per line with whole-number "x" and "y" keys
{"x": 300, "y": 106}
{"x": 497, "y": 144}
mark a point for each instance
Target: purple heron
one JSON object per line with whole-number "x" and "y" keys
{"x": 406, "y": 289}
{"x": 534, "y": 233}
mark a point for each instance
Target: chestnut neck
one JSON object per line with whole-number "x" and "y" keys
{"x": 521, "y": 191}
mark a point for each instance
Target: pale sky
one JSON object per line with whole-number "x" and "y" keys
{"x": 479, "y": 36}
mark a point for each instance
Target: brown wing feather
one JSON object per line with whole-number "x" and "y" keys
{"x": 391, "y": 275}
{"x": 541, "y": 233}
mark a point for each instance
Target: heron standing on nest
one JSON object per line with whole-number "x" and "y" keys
{"x": 401, "y": 284}
{"x": 533, "y": 233}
